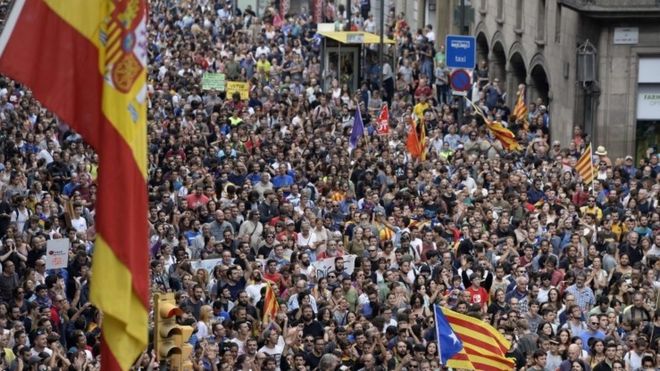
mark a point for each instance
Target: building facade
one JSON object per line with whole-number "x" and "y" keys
{"x": 594, "y": 63}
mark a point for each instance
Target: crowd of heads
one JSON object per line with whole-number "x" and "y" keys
{"x": 358, "y": 243}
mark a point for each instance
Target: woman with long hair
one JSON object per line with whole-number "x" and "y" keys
{"x": 320, "y": 292}
{"x": 597, "y": 352}
{"x": 417, "y": 308}
{"x": 545, "y": 329}
{"x": 499, "y": 304}
{"x": 431, "y": 351}
{"x": 564, "y": 339}
{"x": 204, "y": 323}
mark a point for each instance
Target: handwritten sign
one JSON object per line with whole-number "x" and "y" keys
{"x": 57, "y": 253}
{"x": 243, "y": 88}
{"x": 214, "y": 81}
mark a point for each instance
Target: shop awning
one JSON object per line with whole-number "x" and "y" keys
{"x": 355, "y": 37}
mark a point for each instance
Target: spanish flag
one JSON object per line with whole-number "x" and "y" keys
{"x": 270, "y": 304}
{"x": 483, "y": 347}
{"x": 520, "y": 109}
{"x": 585, "y": 166}
{"x": 85, "y": 60}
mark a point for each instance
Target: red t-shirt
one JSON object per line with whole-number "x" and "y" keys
{"x": 478, "y": 296}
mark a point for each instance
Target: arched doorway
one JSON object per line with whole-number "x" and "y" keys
{"x": 498, "y": 64}
{"x": 482, "y": 48}
{"x": 541, "y": 87}
{"x": 518, "y": 74}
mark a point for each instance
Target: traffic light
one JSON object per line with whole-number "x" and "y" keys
{"x": 171, "y": 339}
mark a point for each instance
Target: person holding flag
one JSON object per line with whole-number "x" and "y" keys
{"x": 383, "y": 122}
{"x": 358, "y": 129}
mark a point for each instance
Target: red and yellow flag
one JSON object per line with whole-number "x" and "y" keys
{"x": 585, "y": 166}
{"x": 483, "y": 346}
{"x": 520, "y": 109}
{"x": 85, "y": 60}
{"x": 502, "y": 134}
{"x": 416, "y": 141}
{"x": 270, "y": 304}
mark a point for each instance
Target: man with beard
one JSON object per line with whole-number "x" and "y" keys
{"x": 306, "y": 266}
{"x": 196, "y": 300}
{"x": 339, "y": 268}
{"x": 311, "y": 327}
{"x": 236, "y": 281}
{"x": 313, "y": 357}
{"x": 244, "y": 303}
{"x": 254, "y": 289}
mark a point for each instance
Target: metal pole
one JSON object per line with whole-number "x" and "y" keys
{"x": 348, "y": 15}
{"x": 461, "y": 105}
{"x": 381, "y": 49}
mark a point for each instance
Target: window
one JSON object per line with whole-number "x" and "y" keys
{"x": 519, "y": 14}
{"x": 540, "y": 21}
{"x": 558, "y": 24}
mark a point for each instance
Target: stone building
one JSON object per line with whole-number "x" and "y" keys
{"x": 595, "y": 63}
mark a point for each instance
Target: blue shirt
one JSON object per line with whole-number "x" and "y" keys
{"x": 282, "y": 181}
{"x": 586, "y": 335}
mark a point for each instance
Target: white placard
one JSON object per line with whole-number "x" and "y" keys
{"x": 57, "y": 253}
{"x": 325, "y": 266}
{"x": 207, "y": 264}
{"x": 626, "y": 35}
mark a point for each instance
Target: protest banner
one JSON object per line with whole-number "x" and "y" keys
{"x": 243, "y": 88}
{"x": 213, "y": 81}
{"x": 325, "y": 266}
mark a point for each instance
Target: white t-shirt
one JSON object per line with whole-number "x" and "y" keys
{"x": 79, "y": 224}
{"x": 275, "y": 352}
{"x": 254, "y": 292}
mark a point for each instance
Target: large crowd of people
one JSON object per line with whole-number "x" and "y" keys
{"x": 358, "y": 244}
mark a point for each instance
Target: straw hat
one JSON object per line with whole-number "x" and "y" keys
{"x": 600, "y": 151}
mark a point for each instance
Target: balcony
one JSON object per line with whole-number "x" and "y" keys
{"x": 615, "y": 8}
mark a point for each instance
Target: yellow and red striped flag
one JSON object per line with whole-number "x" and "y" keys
{"x": 85, "y": 60}
{"x": 484, "y": 347}
{"x": 585, "y": 166}
{"x": 270, "y": 304}
{"x": 502, "y": 134}
{"x": 520, "y": 109}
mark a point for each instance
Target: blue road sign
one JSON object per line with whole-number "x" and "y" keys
{"x": 461, "y": 51}
{"x": 460, "y": 80}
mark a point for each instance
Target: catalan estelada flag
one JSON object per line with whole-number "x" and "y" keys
{"x": 85, "y": 60}
{"x": 483, "y": 347}
{"x": 585, "y": 166}
{"x": 520, "y": 109}
{"x": 270, "y": 304}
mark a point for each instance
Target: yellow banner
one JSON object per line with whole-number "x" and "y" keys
{"x": 242, "y": 88}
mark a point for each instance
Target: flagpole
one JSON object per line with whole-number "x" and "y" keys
{"x": 437, "y": 333}
{"x": 593, "y": 177}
